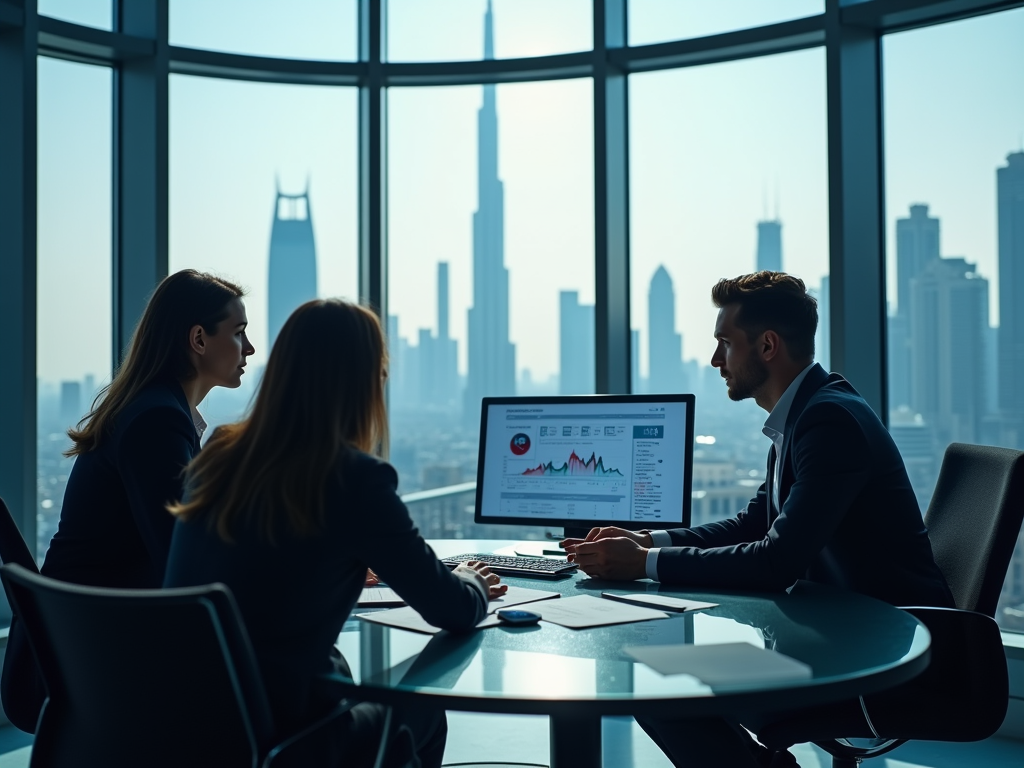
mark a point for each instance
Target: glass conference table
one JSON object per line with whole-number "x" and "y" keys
{"x": 854, "y": 645}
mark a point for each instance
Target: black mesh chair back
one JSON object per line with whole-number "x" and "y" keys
{"x": 142, "y": 677}
{"x": 13, "y": 548}
{"x": 974, "y": 520}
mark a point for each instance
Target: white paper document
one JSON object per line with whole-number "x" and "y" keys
{"x": 660, "y": 602}
{"x": 722, "y": 665}
{"x": 409, "y": 618}
{"x": 518, "y": 596}
{"x": 379, "y": 597}
{"x": 588, "y": 611}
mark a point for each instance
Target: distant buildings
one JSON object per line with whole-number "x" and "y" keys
{"x": 1010, "y": 208}
{"x": 576, "y": 345}
{"x": 492, "y": 357}
{"x": 769, "y": 245}
{"x": 292, "y": 272}
{"x": 70, "y": 402}
{"x": 664, "y": 345}
{"x": 948, "y": 327}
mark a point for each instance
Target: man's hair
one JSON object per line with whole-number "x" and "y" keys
{"x": 772, "y": 301}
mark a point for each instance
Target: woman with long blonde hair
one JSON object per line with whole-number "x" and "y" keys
{"x": 130, "y": 451}
{"x": 291, "y": 506}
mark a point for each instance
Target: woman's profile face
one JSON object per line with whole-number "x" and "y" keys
{"x": 222, "y": 363}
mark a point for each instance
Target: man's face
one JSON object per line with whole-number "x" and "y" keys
{"x": 736, "y": 357}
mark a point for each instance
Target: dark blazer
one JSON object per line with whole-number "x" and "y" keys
{"x": 114, "y": 530}
{"x": 849, "y": 514}
{"x": 295, "y": 594}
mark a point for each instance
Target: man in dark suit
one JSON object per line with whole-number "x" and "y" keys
{"x": 837, "y": 506}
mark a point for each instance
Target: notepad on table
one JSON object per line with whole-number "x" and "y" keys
{"x": 721, "y": 665}
{"x": 659, "y": 602}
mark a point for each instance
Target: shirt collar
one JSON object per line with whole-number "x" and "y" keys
{"x": 199, "y": 423}
{"x": 775, "y": 424}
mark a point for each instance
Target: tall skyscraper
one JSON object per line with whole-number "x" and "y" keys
{"x": 576, "y": 345}
{"x": 492, "y": 357}
{"x": 1010, "y": 205}
{"x": 948, "y": 326}
{"x": 769, "y": 245}
{"x": 917, "y": 248}
{"x": 292, "y": 273}
{"x": 665, "y": 346}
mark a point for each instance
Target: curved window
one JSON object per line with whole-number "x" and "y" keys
{"x": 263, "y": 178}
{"x": 73, "y": 343}
{"x": 729, "y": 174}
{"x": 296, "y": 29}
{"x": 954, "y": 193}
{"x": 659, "y": 21}
{"x": 451, "y": 30}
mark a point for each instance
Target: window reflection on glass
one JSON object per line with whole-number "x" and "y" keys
{"x": 658, "y": 21}
{"x": 296, "y": 29}
{"x": 729, "y": 174}
{"x": 91, "y": 13}
{"x": 263, "y": 192}
{"x": 491, "y": 269}
{"x": 452, "y": 30}
{"x": 73, "y": 344}
{"x": 955, "y": 240}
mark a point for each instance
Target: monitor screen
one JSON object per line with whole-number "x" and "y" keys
{"x": 579, "y": 462}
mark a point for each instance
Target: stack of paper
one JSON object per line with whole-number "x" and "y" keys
{"x": 587, "y": 611}
{"x": 723, "y": 665}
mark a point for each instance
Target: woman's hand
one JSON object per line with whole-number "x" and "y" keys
{"x": 494, "y": 586}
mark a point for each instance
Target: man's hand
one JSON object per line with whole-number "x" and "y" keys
{"x": 640, "y": 537}
{"x": 495, "y": 588}
{"x": 619, "y": 558}
{"x": 372, "y": 579}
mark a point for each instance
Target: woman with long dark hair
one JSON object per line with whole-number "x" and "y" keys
{"x": 130, "y": 452}
{"x": 292, "y": 505}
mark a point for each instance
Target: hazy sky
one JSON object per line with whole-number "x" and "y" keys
{"x": 708, "y": 144}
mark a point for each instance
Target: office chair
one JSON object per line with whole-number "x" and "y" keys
{"x": 973, "y": 522}
{"x": 13, "y": 548}
{"x": 153, "y": 677}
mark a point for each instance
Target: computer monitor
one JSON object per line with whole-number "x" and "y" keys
{"x": 580, "y": 462}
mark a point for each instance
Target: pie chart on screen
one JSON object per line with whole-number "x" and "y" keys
{"x": 520, "y": 443}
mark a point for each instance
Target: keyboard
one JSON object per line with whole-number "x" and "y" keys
{"x": 544, "y": 567}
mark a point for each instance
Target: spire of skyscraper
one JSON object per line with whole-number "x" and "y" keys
{"x": 491, "y": 356}
{"x": 489, "y": 32}
{"x": 292, "y": 268}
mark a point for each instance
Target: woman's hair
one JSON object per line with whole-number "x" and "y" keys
{"x": 159, "y": 347}
{"x": 322, "y": 394}
{"x": 772, "y": 301}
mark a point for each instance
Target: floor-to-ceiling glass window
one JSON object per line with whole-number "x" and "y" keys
{"x": 491, "y": 277}
{"x": 658, "y": 21}
{"x": 263, "y": 193}
{"x": 296, "y": 29}
{"x": 73, "y": 344}
{"x": 954, "y": 172}
{"x": 728, "y": 174}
